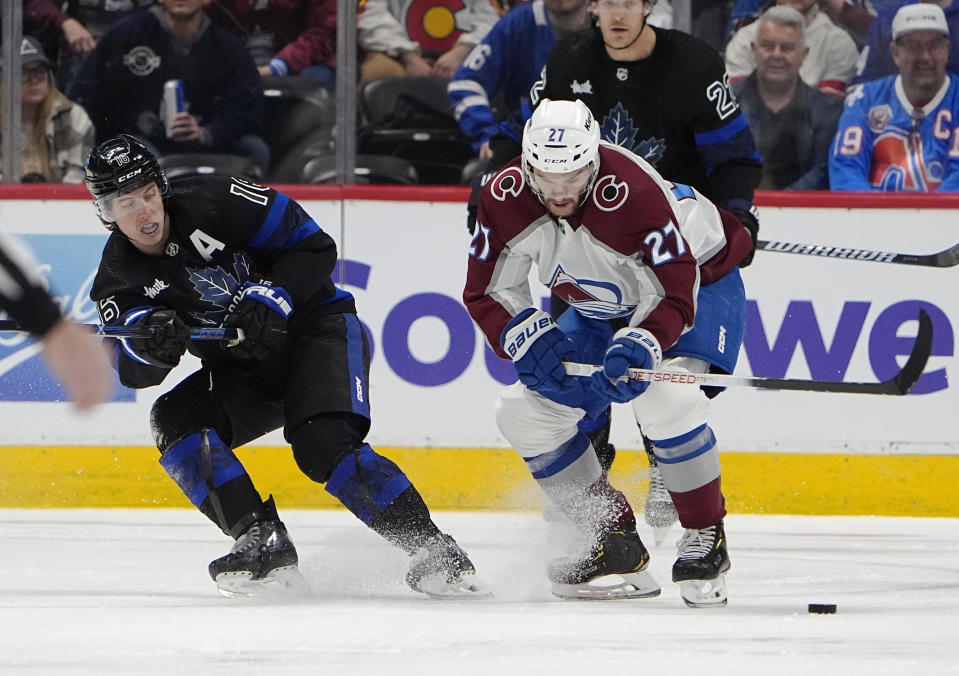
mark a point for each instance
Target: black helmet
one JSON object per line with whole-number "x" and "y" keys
{"x": 118, "y": 166}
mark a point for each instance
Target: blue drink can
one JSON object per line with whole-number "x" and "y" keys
{"x": 173, "y": 102}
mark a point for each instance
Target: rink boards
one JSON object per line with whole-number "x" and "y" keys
{"x": 403, "y": 256}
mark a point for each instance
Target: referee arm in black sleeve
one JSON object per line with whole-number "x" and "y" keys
{"x": 75, "y": 357}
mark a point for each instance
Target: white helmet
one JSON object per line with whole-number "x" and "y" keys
{"x": 561, "y": 137}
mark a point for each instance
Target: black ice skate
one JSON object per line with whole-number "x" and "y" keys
{"x": 442, "y": 570}
{"x": 701, "y": 567}
{"x": 612, "y": 567}
{"x": 263, "y": 559}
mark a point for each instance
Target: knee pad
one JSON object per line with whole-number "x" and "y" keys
{"x": 179, "y": 413}
{"x": 320, "y": 443}
{"x": 366, "y": 483}
{"x": 200, "y": 462}
{"x": 667, "y": 410}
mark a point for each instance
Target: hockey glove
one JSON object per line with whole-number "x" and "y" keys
{"x": 261, "y": 314}
{"x": 164, "y": 347}
{"x": 537, "y": 347}
{"x": 630, "y": 346}
{"x": 748, "y": 215}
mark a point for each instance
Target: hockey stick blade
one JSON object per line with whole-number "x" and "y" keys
{"x": 110, "y": 331}
{"x": 944, "y": 259}
{"x": 899, "y": 384}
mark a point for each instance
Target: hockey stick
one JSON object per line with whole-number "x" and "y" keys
{"x": 110, "y": 331}
{"x": 944, "y": 259}
{"x": 899, "y": 384}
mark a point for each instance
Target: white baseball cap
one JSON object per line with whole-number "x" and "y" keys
{"x": 922, "y": 16}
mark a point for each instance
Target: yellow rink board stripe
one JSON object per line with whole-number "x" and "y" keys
{"x": 492, "y": 479}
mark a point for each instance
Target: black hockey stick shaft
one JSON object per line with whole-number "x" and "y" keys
{"x": 110, "y": 331}
{"x": 899, "y": 384}
{"x": 944, "y": 259}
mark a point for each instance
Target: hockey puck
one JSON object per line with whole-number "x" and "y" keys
{"x": 822, "y": 608}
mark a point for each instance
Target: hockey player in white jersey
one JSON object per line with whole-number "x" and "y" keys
{"x": 649, "y": 269}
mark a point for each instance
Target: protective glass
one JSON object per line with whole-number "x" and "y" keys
{"x": 117, "y": 205}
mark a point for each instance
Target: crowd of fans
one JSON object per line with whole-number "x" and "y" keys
{"x": 838, "y": 94}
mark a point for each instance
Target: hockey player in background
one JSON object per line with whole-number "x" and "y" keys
{"x": 216, "y": 251}
{"x": 650, "y": 270}
{"x": 74, "y": 357}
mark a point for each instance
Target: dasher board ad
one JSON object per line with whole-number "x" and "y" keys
{"x": 434, "y": 381}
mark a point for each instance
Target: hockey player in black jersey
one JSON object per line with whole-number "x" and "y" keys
{"x": 665, "y": 96}
{"x": 216, "y": 251}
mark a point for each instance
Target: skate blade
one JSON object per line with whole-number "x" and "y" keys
{"x": 659, "y": 534}
{"x": 704, "y": 593}
{"x": 282, "y": 582}
{"x": 639, "y": 585}
{"x": 436, "y": 586}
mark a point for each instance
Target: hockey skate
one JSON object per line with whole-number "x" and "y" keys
{"x": 441, "y": 570}
{"x": 701, "y": 567}
{"x": 611, "y": 567}
{"x": 263, "y": 561}
{"x": 660, "y": 512}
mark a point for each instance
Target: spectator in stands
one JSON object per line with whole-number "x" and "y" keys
{"x": 508, "y": 61}
{"x": 832, "y": 54}
{"x": 285, "y": 37}
{"x": 121, "y": 84}
{"x": 792, "y": 123}
{"x": 855, "y": 16}
{"x": 45, "y": 20}
{"x": 876, "y": 61}
{"x": 399, "y": 41}
{"x": 899, "y": 133}
{"x": 56, "y": 133}
{"x": 96, "y": 17}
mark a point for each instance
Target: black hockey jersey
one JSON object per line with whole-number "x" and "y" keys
{"x": 674, "y": 109}
{"x": 224, "y": 232}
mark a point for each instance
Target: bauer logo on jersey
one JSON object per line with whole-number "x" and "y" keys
{"x": 598, "y": 300}
{"x": 68, "y": 262}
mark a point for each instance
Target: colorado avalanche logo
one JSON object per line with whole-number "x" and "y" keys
{"x": 599, "y": 300}
{"x": 218, "y": 287}
{"x": 507, "y": 182}
{"x": 608, "y": 194}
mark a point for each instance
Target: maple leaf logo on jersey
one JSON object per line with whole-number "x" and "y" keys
{"x": 652, "y": 150}
{"x": 599, "y": 300}
{"x": 618, "y": 128}
{"x": 218, "y": 287}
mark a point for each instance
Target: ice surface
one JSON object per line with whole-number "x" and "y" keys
{"x": 86, "y": 592}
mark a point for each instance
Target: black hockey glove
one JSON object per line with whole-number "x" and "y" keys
{"x": 261, "y": 314}
{"x": 748, "y": 215}
{"x": 164, "y": 347}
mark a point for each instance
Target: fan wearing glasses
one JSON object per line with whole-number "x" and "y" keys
{"x": 56, "y": 133}
{"x": 901, "y": 132}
